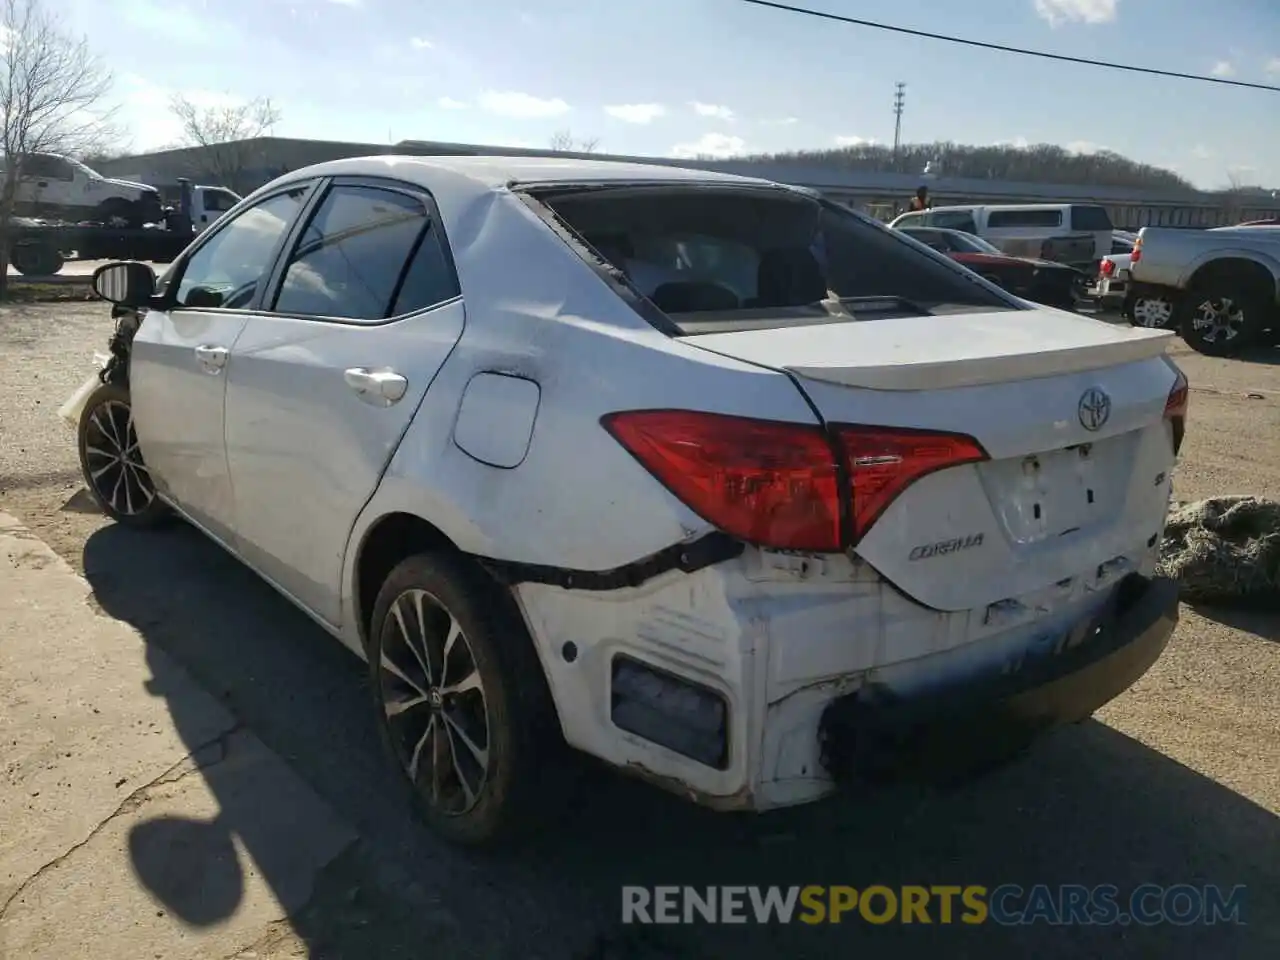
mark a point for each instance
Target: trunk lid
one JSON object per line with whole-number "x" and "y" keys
{"x": 1070, "y": 411}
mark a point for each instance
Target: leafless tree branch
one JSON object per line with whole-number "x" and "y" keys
{"x": 53, "y": 93}
{"x": 565, "y": 142}
{"x": 225, "y": 134}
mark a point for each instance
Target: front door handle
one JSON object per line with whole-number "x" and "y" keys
{"x": 379, "y": 387}
{"x": 212, "y": 358}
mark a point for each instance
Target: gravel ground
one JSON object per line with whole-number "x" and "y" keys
{"x": 1176, "y": 781}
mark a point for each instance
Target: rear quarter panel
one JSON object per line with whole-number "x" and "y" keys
{"x": 577, "y": 499}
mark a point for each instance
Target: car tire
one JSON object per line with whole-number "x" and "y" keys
{"x": 36, "y": 260}
{"x": 111, "y": 461}
{"x": 473, "y": 732}
{"x": 1222, "y": 316}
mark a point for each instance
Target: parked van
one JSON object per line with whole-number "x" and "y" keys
{"x": 1078, "y": 234}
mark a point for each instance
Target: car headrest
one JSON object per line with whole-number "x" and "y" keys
{"x": 789, "y": 277}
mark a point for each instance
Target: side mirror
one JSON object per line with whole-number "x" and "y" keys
{"x": 128, "y": 284}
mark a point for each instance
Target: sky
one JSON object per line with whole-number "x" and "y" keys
{"x": 721, "y": 77}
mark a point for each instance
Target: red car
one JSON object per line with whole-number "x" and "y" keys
{"x": 1041, "y": 281}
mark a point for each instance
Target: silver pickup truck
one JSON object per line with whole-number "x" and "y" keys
{"x": 1224, "y": 283}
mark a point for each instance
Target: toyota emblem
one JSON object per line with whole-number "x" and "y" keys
{"x": 1094, "y": 409}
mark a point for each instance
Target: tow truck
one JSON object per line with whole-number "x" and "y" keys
{"x": 40, "y": 248}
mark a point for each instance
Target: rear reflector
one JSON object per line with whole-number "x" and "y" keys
{"x": 884, "y": 461}
{"x": 1108, "y": 267}
{"x": 768, "y": 483}
{"x": 669, "y": 710}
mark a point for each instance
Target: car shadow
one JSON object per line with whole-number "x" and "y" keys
{"x": 1088, "y": 806}
{"x": 1260, "y": 620}
{"x": 1263, "y": 356}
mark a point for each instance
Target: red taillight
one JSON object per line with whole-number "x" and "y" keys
{"x": 1108, "y": 267}
{"x": 1136, "y": 254}
{"x": 769, "y": 483}
{"x": 884, "y": 461}
{"x": 1175, "y": 410}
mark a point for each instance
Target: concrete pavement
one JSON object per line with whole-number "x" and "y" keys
{"x": 130, "y": 797}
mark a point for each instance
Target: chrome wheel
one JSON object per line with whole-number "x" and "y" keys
{"x": 1218, "y": 320}
{"x": 1152, "y": 312}
{"x": 434, "y": 701}
{"x": 113, "y": 461}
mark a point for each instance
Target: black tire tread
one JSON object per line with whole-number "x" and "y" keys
{"x": 156, "y": 513}
{"x": 491, "y": 622}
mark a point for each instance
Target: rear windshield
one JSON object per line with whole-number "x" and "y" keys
{"x": 1090, "y": 218}
{"x": 725, "y": 252}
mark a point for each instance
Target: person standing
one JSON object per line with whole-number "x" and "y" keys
{"x": 921, "y": 200}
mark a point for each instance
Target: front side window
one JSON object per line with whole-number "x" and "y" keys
{"x": 350, "y": 260}
{"x": 225, "y": 271}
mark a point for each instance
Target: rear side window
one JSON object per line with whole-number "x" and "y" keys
{"x": 1024, "y": 218}
{"x": 366, "y": 253}
{"x": 1090, "y": 218}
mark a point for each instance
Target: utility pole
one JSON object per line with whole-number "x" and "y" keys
{"x": 899, "y": 101}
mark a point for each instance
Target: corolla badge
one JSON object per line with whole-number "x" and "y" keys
{"x": 1094, "y": 409}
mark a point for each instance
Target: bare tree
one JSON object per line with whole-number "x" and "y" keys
{"x": 53, "y": 94}
{"x": 225, "y": 134}
{"x": 563, "y": 141}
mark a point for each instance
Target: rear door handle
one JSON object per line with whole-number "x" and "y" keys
{"x": 212, "y": 358}
{"x": 379, "y": 387}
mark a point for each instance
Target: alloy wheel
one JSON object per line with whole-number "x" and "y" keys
{"x": 434, "y": 701}
{"x": 114, "y": 461}
{"x": 1218, "y": 319}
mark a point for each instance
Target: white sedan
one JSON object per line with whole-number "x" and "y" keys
{"x": 708, "y": 477}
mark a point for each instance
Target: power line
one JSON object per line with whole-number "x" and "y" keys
{"x": 1062, "y": 58}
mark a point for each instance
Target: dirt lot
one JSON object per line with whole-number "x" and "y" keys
{"x": 1176, "y": 781}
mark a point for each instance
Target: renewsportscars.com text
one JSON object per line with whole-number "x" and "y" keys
{"x": 1007, "y": 904}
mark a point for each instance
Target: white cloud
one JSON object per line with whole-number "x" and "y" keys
{"x": 1058, "y": 12}
{"x": 420, "y": 43}
{"x": 711, "y": 110}
{"x": 1272, "y": 65}
{"x": 710, "y": 145}
{"x": 854, "y": 141}
{"x": 1019, "y": 143}
{"x": 1201, "y": 152}
{"x": 1223, "y": 68}
{"x": 448, "y": 103}
{"x": 521, "y": 106}
{"x": 636, "y": 112}
{"x": 348, "y": 3}
{"x": 1084, "y": 146}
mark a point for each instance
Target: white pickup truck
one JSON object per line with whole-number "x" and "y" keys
{"x": 61, "y": 188}
{"x": 1224, "y": 283}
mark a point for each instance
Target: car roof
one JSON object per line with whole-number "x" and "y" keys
{"x": 490, "y": 173}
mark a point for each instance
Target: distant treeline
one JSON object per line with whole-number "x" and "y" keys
{"x": 1039, "y": 163}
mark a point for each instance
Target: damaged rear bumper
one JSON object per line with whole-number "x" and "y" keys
{"x": 872, "y": 735}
